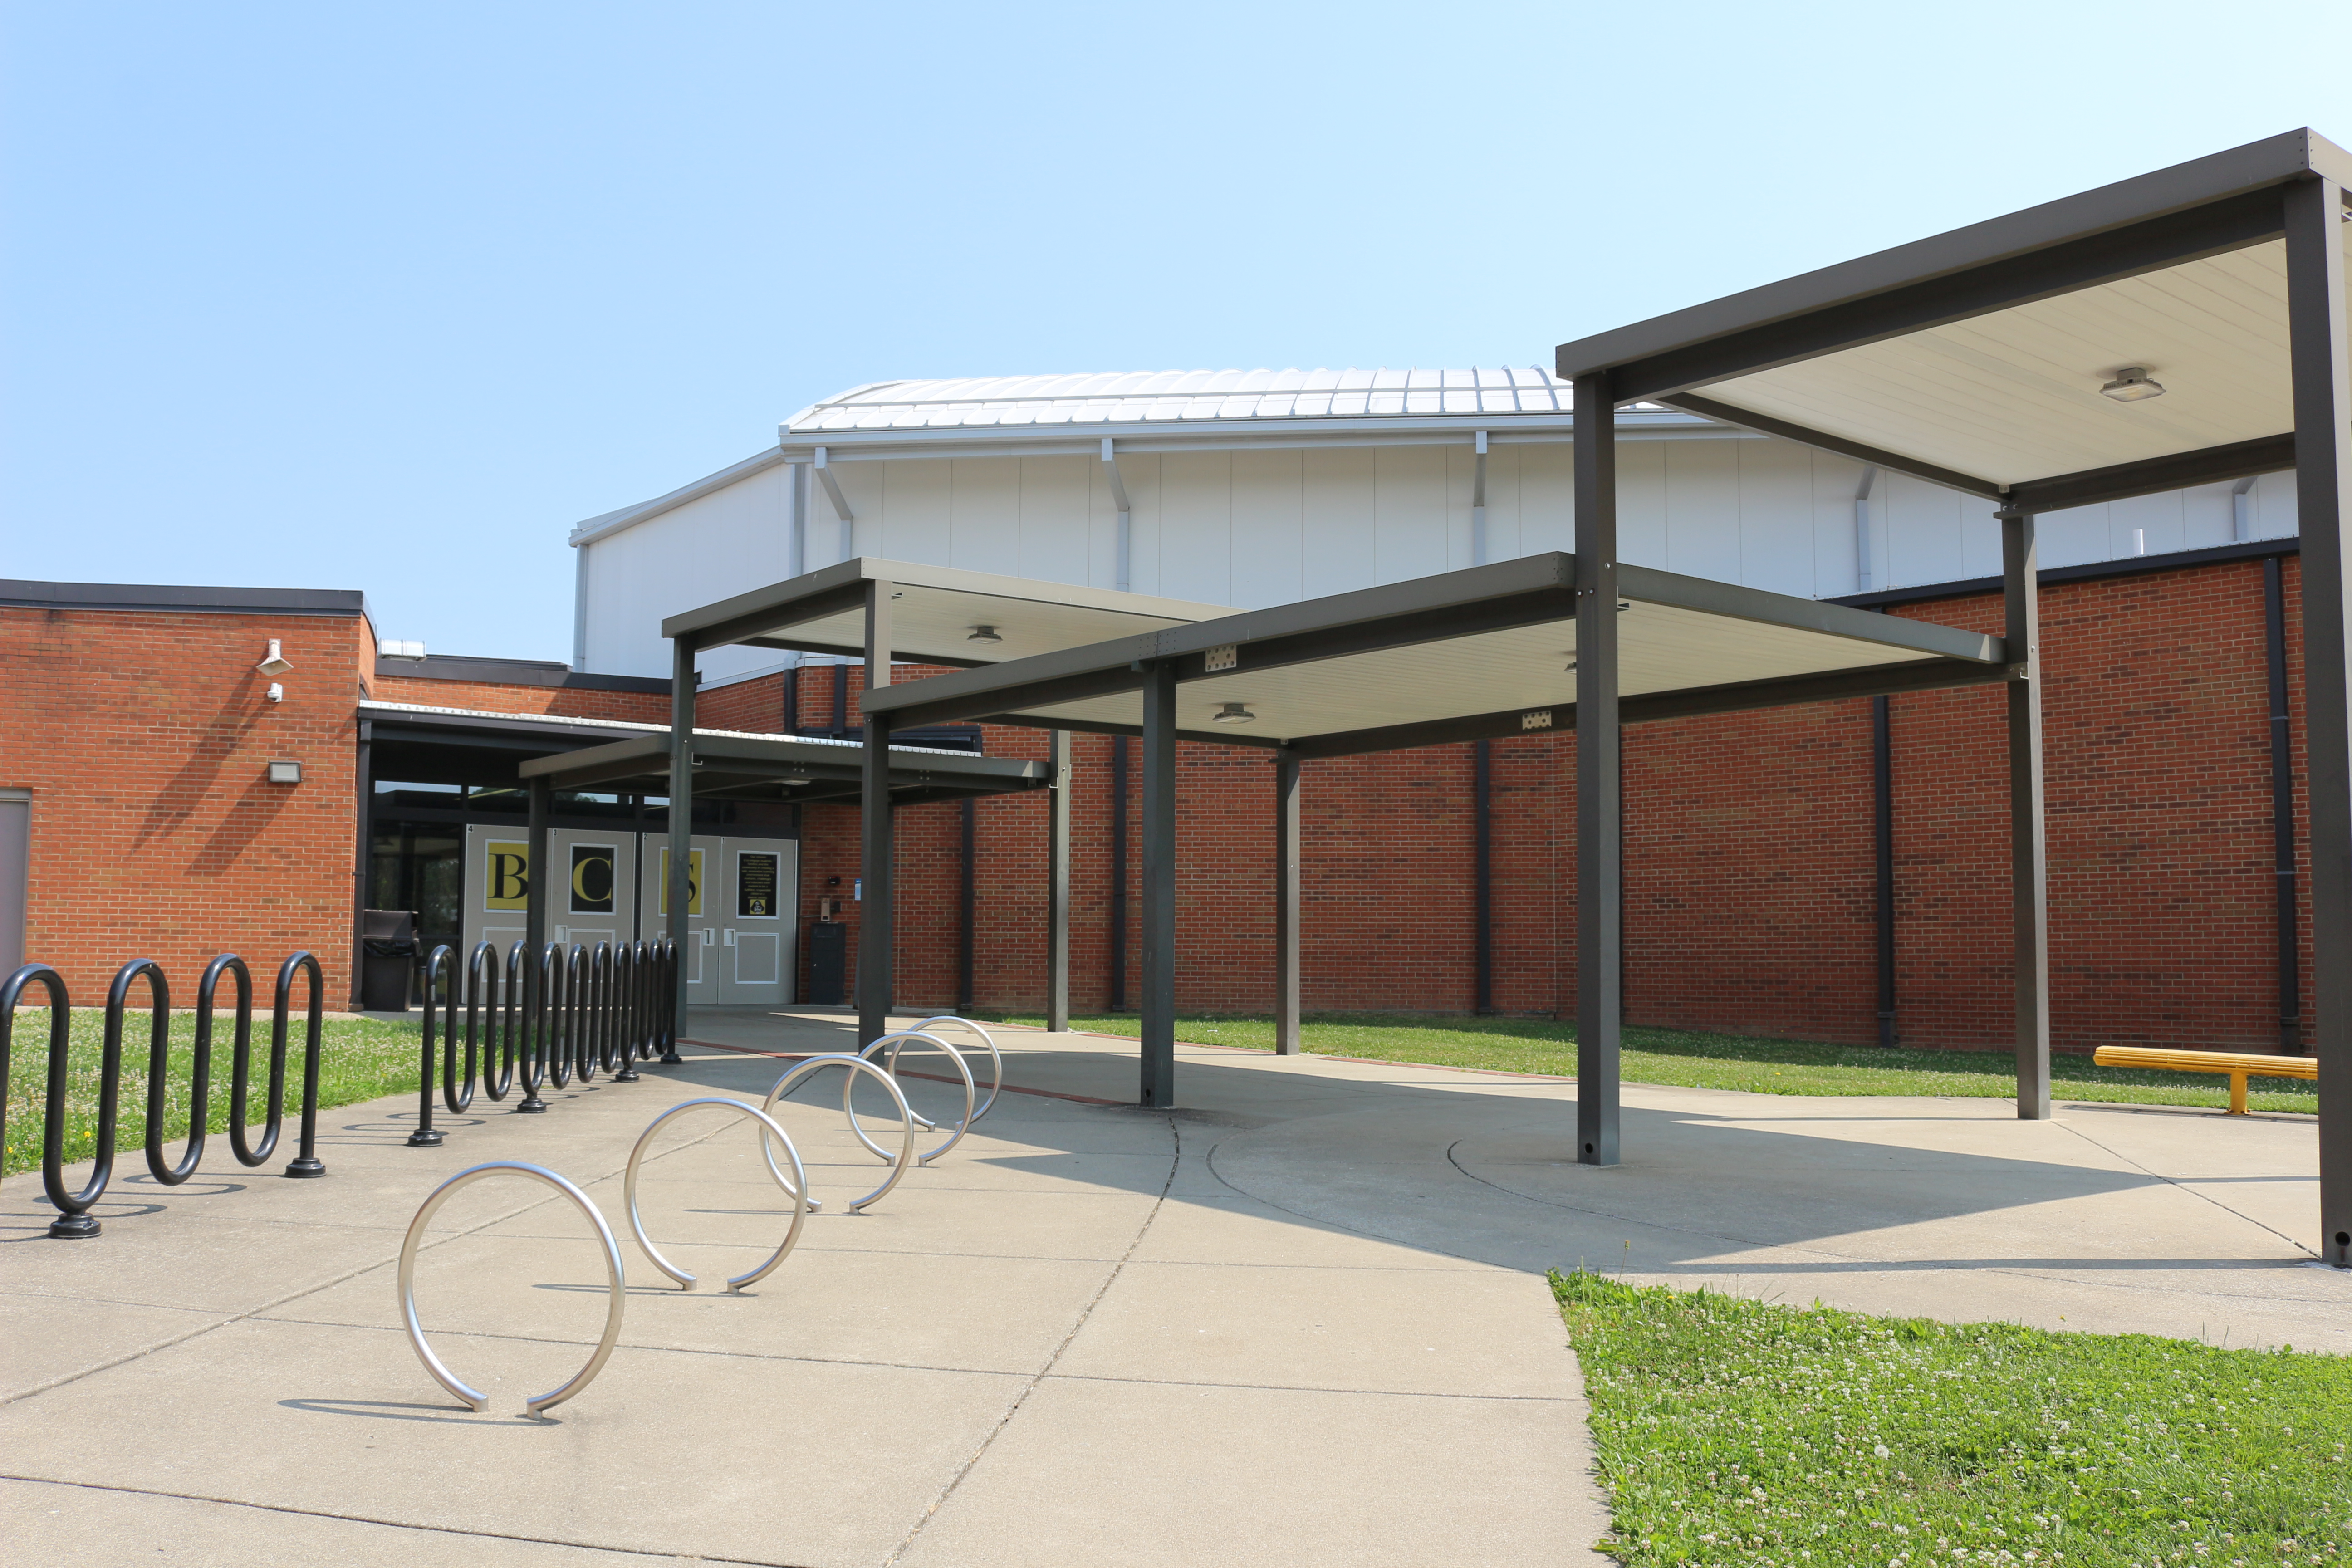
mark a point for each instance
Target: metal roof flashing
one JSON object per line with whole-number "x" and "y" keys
{"x": 2272, "y": 161}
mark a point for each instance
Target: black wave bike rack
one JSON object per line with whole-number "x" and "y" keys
{"x": 74, "y": 1221}
{"x": 530, "y": 1022}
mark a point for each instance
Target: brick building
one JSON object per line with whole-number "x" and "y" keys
{"x": 137, "y": 736}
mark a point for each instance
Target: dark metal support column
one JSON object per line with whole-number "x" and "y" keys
{"x": 2029, "y": 849}
{"x": 1058, "y": 884}
{"x": 840, "y": 700}
{"x": 875, "y": 859}
{"x": 361, "y": 865}
{"x": 2322, "y": 379}
{"x": 537, "y": 882}
{"x": 2290, "y": 951}
{"x": 1482, "y": 808}
{"x": 1599, "y": 783}
{"x": 1882, "y": 790}
{"x": 1118, "y": 854}
{"x": 1159, "y": 999}
{"x": 967, "y": 901}
{"x": 681, "y": 827}
{"x": 1286, "y": 902}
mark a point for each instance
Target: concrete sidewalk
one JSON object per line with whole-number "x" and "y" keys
{"x": 1300, "y": 1320}
{"x": 1070, "y": 1341}
{"x": 2113, "y": 1219}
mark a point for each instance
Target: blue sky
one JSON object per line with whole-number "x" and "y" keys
{"x": 389, "y": 297}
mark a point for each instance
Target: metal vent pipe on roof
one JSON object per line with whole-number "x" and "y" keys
{"x": 1862, "y": 575}
{"x": 840, "y": 505}
{"x": 1479, "y": 505}
{"x": 1126, "y": 517}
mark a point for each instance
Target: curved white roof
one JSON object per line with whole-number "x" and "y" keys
{"x": 1175, "y": 395}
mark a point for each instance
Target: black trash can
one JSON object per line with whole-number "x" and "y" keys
{"x": 387, "y": 956}
{"x": 828, "y": 963}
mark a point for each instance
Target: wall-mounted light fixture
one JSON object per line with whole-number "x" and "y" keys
{"x": 2132, "y": 385}
{"x": 273, "y": 662}
{"x": 286, "y": 773}
{"x": 276, "y": 692}
{"x": 984, "y": 633}
{"x": 1233, "y": 714}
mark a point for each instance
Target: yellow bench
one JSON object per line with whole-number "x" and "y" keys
{"x": 2239, "y": 1065}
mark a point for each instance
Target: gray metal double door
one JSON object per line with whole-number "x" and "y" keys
{"x": 741, "y": 933}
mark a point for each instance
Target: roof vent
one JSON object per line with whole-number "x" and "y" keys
{"x": 2131, "y": 385}
{"x": 392, "y": 647}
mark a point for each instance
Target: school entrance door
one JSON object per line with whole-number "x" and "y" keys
{"x": 742, "y": 926}
{"x": 741, "y": 936}
{"x": 596, "y": 900}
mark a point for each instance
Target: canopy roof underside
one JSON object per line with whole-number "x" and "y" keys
{"x": 2125, "y": 341}
{"x": 2015, "y": 396}
{"x": 1465, "y": 646}
{"x": 939, "y": 614}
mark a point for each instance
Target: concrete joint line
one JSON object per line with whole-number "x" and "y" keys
{"x": 1342, "y": 1224}
{"x": 480, "y": 1337}
{"x": 2192, "y": 1192}
{"x": 393, "y": 1523}
{"x": 1847, "y": 1262}
{"x": 312, "y": 1290}
{"x": 1319, "y": 1388}
{"x": 1175, "y": 1162}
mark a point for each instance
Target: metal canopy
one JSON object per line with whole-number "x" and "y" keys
{"x": 1541, "y": 643}
{"x": 744, "y": 767}
{"x": 934, "y": 610}
{"x": 884, "y": 612}
{"x": 1975, "y": 358}
{"x": 1483, "y": 652}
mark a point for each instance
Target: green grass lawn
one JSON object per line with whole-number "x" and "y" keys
{"x": 359, "y": 1058}
{"x": 1711, "y": 1061}
{"x": 1731, "y": 1432}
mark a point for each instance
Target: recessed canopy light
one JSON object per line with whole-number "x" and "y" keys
{"x": 984, "y": 633}
{"x": 2131, "y": 385}
{"x": 1233, "y": 713}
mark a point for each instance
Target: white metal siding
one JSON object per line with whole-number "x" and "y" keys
{"x": 720, "y": 545}
{"x": 1256, "y": 527}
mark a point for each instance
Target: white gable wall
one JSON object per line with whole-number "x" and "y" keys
{"x": 1254, "y": 526}
{"x": 724, "y": 544}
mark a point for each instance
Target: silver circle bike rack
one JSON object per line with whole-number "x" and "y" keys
{"x": 798, "y": 1187}
{"x": 618, "y": 1300}
{"x": 995, "y": 1056}
{"x": 898, "y": 1042}
{"x": 808, "y": 1069}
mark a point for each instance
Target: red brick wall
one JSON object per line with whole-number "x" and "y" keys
{"x": 1751, "y": 905}
{"x": 570, "y": 703}
{"x": 756, "y": 705}
{"x": 145, "y": 739}
{"x": 2157, "y": 748}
